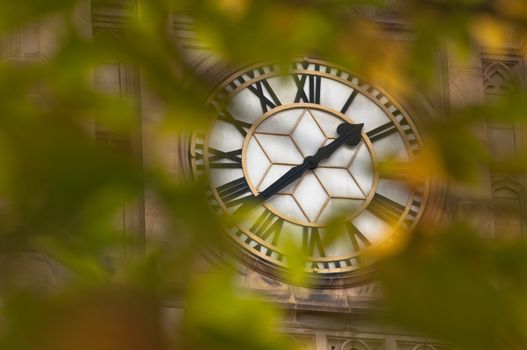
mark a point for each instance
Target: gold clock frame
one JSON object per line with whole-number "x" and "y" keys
{"x": 331, "y": 278}
{"x": 307, "y": 106}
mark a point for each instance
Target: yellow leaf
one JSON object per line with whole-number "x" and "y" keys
{"x": 234, "y": 9}
{"x": 488, "y": 31}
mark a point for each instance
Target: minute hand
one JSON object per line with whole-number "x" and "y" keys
{"x": 350, "y": 134}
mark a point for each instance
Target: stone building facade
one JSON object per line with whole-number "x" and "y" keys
{"x": 340, "y": 319}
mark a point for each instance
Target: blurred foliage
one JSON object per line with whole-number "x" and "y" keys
{"x": 62, "y": 194}
{"x": 460, "y": 287}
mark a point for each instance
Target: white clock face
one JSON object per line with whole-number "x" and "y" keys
{"x": 281, "y": 140}
{"x": 267, "y": 124}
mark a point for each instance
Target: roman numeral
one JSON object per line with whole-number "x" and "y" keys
{"x": 258, "y": 89}
{"x": 356, "y": 236}
{"x": 382, "y": 131}
{"x": 315, "y": 82}
{"x": 268, "y": 225}
{"x": 314, "y": 88}
{"x": 349, "y": 101}
{"x": 385, "y": 209}
{"x": 238, "y": 124}
{"x": 312, "y": 242}
{"x": 231, "y": 191}
{"x": 217, "y": 159}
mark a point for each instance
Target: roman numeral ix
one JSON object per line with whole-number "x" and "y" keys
{"x": 232, "y": 191}
{"x": 217, "y": 159}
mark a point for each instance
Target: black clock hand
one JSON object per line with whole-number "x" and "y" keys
{"x": 349, "y": 134}
{"x": 284, "y": 180}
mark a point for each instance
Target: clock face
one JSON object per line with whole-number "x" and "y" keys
{"x": 254, "y": 156}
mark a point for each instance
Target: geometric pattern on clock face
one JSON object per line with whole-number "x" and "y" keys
{"x": 267, "y": 123}
{"x": 340, "y": 185}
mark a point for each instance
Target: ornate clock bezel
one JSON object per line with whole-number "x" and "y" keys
{"x": 356, "y": 274}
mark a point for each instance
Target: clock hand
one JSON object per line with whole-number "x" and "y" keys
{"x": 284, "y": 180}
{"x": 349, "y": 134}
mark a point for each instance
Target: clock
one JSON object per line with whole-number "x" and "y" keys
{"x": 297, "y": 151}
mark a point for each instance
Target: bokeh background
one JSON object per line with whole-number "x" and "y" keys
{"x": 75, "y": 168}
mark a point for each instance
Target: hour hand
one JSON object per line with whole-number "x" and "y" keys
{"x": 286, "y": 179}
